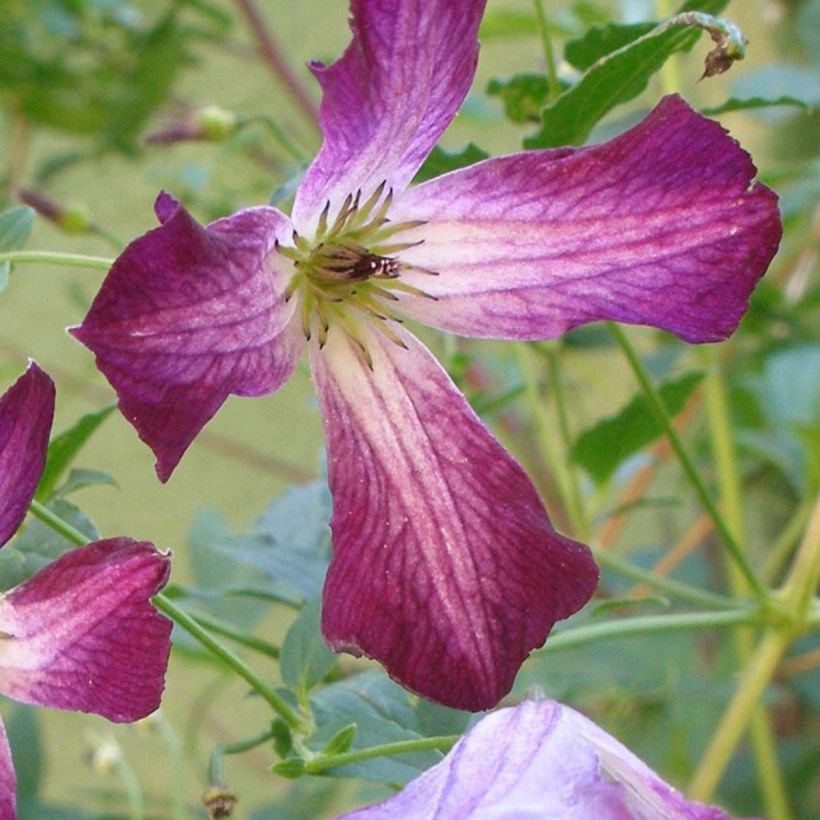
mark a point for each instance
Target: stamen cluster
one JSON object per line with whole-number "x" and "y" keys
{"x": 349, "y": 271}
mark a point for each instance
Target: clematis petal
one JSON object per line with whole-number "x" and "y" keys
{"x": 8, "y": 779}
{"x": 445, "y": 566}
{"x": 662, "y": 226}
{"x": 81, "y": 634}
{"x": 389, "y": 98}
{"x": 188, "y": 315}
{"x": 26, "y": 413}
{"x": 539, "y": 760}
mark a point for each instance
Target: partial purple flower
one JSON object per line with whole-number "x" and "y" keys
{"x": 26, "y": 413}
{"x": 80, "y": 634}
{"x": 539, "y": 760}
{"x": 446, "y": 567}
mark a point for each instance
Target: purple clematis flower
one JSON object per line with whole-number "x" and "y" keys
{"x": 445, "y": 567}
{"x": 81, "y": 633}
{"x": 539, "y": 760}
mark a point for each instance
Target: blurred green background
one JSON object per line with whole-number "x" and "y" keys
{"x": 76, "y": 134}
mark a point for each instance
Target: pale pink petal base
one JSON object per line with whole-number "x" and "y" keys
{"x": 82, "y": 634}
{"x": 8, "y": 779}
{"x": 445, "y": 566}
{"x": 188, "y": 315}
{"x": 389, "y": 98}
{"x": 26, "y": 413}
{"x": 539, "y": 760}
{"x": 662, "y": 226}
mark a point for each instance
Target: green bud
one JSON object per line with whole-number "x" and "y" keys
{"x": 216, "y": 124}
{"x": 341, "y": 741}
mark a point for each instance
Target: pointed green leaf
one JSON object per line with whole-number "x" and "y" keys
{"x": 440, "y": 162}
{"x": 614, "y": 78}
{"x": 601, "y": 449}
{"x": 15, "y": 227}
{"x": 63, "y": 449}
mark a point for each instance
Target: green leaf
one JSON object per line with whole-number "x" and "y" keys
{"x": 613, "y": 79}
{"x": 440, "y": 162}
{"x": 601, "y": 449}
{"x": 38, "y": 545}
{"x": 734, "y": 104}
{"x": 282, "y": 737}
{"x": 291, "y": 768}
{"x": 24, "y": 738}
{"x": 600, "y": 41}
{"x": 63, "y": 450}
{"x": 305, "y": 658}
{"x": 383, "y": 714}
{"x": 290, "y": 543}
{"x": 524, "y": 96}
{"x": 79, "y": 478}
{"x": 15, "y": 227}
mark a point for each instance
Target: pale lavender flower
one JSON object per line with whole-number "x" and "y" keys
{"x": 81, "y": 633}
{"x": 543, "y": 761}
{"x": 445, "y": 567}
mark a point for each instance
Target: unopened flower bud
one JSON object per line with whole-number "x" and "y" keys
{"x": 219, "y": 801}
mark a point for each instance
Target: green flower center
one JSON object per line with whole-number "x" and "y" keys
{"x": 350, "y": 272}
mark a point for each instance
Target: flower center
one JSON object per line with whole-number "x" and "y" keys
{"x": 350, "y": 273}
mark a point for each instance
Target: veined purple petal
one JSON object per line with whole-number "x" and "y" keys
{"x": 445, "y": 566}
{"x": 82, "y": 634}
{"x": 26, "y": 413}
{"x": 8, "y": 779}
{"x": 188, "y": 315}
{"x": 539, "y": 760}
{"x": 389, "y": 98}
{"x": 662, "y": 226}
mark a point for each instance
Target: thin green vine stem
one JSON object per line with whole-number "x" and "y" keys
{"x": 647, "y": 625}
{"x": 187, "y": 622}
{"x": 549, "y": 53}
{"x": 216, "y": 767}
{"x": 229, "y": 631}
{"x": 674, "y": 589}
{"x": 441, "y": 742}
{"x": 752, "y": 685}
{"x": 763, "y": 741}
{"x": 77, "y": 260}
{"x": 662, "y": 416}
{"x": 547, "y": 447}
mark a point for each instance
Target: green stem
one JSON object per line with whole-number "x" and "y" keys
{"x": 546, "y": 445}
{"x": 753, "y": 684}
{"x": 57, "y": 524}
{"x": 797, "y": 599}
{"x": 786, "y": 541}
{"x": 77, "y": 260}
{"x": 319, "y": 764}
{"x": 674, "y": 589}
{"x": 267, "y": 693}
{"x": 189, "y": 624}
{"x": 662, "y": 416}
{"x": 216, "y": 768}
{"x": 764, "y": 744}
{"x": 647, "y": 625}
{"x": 229, "y": 631}
{"x": 576, "y": 498}
{"x": 549, "y": 54}
{"x": 280, "y": 136}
